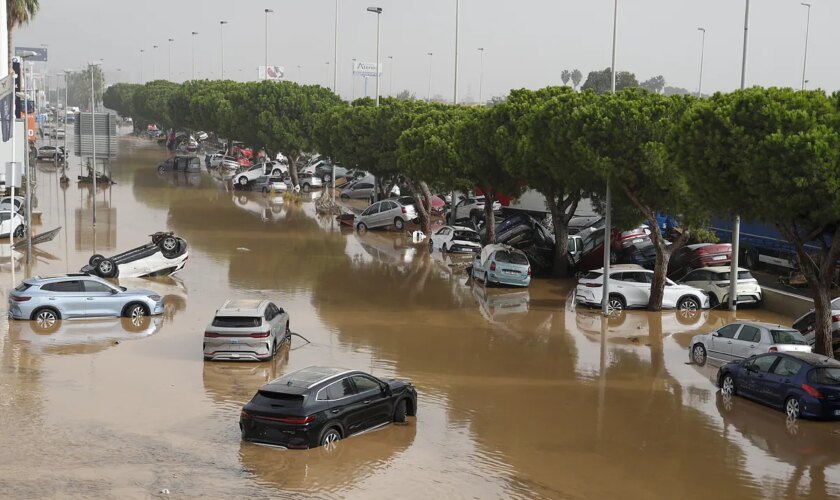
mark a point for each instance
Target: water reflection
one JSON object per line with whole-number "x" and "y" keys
{"x": 81, "y": 336}
{"x": 496, "y": 305}
{"x": 265, "y": 206}
{"x": 235, "y": 383}
{"x": 181, "y": 179}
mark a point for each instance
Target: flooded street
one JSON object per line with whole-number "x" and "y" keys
{"x": 520, "y": 393}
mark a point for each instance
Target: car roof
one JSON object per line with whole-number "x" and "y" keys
{"x": 242, "y": 307}
{"x": 718, "y": 269}
{"x": 762, "y": 324}
{"x": 306, "y": 378}
{"x": 50, "y": 279}
{"x": 463, "y": 228}
{"x": 622, "y": 267}
{"x": 814, "y": 359}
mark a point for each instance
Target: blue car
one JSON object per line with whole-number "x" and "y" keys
{"x": 803, "y": 384}
{"x": 47, "y": 300}
{"x": 502, "y": 265}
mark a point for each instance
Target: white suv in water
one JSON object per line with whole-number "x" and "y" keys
{"x": 630, "y": 288}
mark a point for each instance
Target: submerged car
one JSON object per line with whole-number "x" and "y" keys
{"x": 800, "y": 383}
{"x": 502, "y": 265}
{"x": 697, "y": 256}
{"x": 318, "y": 406}
{"x": 456, "y": 239}
{"x": 165, "y": 255}
{"x": 246, "y": 330}
{"x": 50, "y": 153}
{"x": 180, "y": 164}
{"x": 47, "y": 300}
{"x": 362, "y": 190}
{"x": 630, "y": 288}
{"x": 385, "y": 213}
{"x": 11, "y": 224}
{"x": 805, "y": 325}
{"x": 715, "y": 281}
{"x": 743, "y": 339}
{"x": 267, "y": 183}
{"x": 244, "y": 178}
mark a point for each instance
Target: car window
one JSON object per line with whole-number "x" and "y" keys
{"x": 364, "y": 384}
{"x": 95, "y": 286}
{"x": 388, "y": 205}
{"x": 442, "y": 231}
{"x": 340, "y": 389}
{"x": 805, "y": 322}
{"x": 749, "y": 334}
{"x": 373, "y": 209}
{"x": 825, "y": 376}
{"x": 787, "y": 367}
{"x": 63, "y": 286}
{"x": 237, "y": 322}
{"x": 728, "y": 331}
{"x": 467, "y": 236}
{"x": 763, "y": 363}
{"x": 269, "y": 314}
{"x": 787, "y": 337}
{"x": 510, "y": 257}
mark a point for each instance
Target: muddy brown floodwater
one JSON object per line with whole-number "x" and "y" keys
{"x": 520, "y": 393}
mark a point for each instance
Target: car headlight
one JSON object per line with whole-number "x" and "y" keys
{"x": 155, "y": 297}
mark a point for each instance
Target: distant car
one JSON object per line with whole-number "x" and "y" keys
{"x": 642, "y": 253}
{"x": 715, "y": 281}
{"x": 455, "y": 239}
{"x": 165, "y": 255}
{"x": 362, "y": 190}
{"x": 180, "y": 164}
{"x": 57, "y": 133}
{"x": 308, "y": 181}
{"x": 699, "y": 255}
{"x": 50, "y": 153}
{"x": 385, "y": 213}
{"x": 743, "y": 339}
{"x": 277, "y": 168}
{"x": 318, "y": 406}
{"x": 243, "y": 179}
{"x": 472, "y": 209}
{"x": 6, "y": 203}
{"x": 630, "y": 288}
{"x": 246, "y": 330}
{"x": 47, "y": 300}
{"x": 224, "y": 162}
{"x": 805, "y": 325}
{"x": 267, "y": 183}
{"x": 801, "y": 384}
{"x": 502, "y": 265}
{"x": 11, "y": 224}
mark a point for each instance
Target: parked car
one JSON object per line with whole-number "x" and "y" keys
{"x": 698, "y": 255}
{"x": 805, "y": 325}
{"x": 224, "y": 162}
{"x": 318, "y": 406}
{"x": 385, "y": 213}
{"x": 743, "y": 339}
{"x": 472, "y": 209}
{"x": 800, "y": 383}
{"x": 246, "y": 177}
{"x": 266, "y": 183}
{"x": 525, "y": 233}
{"x": 57, "y": 133}
{"x": 277, "y": 168}
{"x": 6, "y": 203}
{"x": 50, "y": 153}
{"x": 456, "y": 239}
{"x": 165, "y": 255}
{"x": 11, "y": 224}
{"x": 642, "y": 253}
{"x": 715, "y": 281}
{"x": 47, "y": 300}
{"x": 308, "y": 181}
{"x": 502, "y": 265}
{"x": 362, "y": 190}
{"x": 246, "y": 330}
{"x": 180, "y": 164}
{"x": 630, "y": 288}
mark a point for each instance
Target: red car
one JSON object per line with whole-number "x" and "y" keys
{"x": 699, "y": 255}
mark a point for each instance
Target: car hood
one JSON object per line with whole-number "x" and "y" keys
{"x": 138, "y": 293}
{"x": 686, "y": 288}
{"x": 395, "y": 383}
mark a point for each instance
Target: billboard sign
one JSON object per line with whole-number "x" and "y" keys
{"x": 275, "y": 73}
{"x": 40, "y": 53}
{"x": 366, "y": 69}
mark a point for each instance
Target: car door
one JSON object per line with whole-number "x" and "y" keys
{"x": 754, "y": 376}
{"x": 101, "y": 299}
{"x": 774, "y": 386}
{"x": 635, "y": 288}
{"x": 720, "y": 345}
{"x": 368, "y": 215}
{"x": 376, "y": 403}
{"x": 747, "y": 343}
{"x": 346, "y": 406}
{"x": 68, "y": 297}
{"x": 384, "y": 216}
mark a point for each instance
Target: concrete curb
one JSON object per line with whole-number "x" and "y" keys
{"x": 789, "y": 304}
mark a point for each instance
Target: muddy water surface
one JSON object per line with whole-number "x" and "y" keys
{"x": 522, "y": 395}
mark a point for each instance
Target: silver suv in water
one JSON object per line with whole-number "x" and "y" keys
{"x": 246, "y": 330}
{"x": 47, "y": 300}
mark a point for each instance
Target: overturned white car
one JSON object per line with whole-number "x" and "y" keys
{"x": 165, "y": 255}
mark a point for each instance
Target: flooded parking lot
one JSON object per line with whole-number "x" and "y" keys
{"x": 521, "y": 394}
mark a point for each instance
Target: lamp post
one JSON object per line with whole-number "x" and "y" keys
{"x": 335, "y": 49}
{"x": 24, "y": 56}
{"x": 142, "y": 51}
{"x": 429, "y": 95}
{"x": 391, "y": 78}
{"x": 807, "y": 29}
{"x": 480, "y": 75}
{"x": 353, "y": 73}
{"x": 169, "y": 64}
{"x": 93, "y": 132}
{"x": 605, "y": 300}
{"x": 300, "y": 74}
{"x": 267, "y": 12}
{"x": 457, "y": 24}
{"x": 193, "y": 53}
{"x": 154, "y": 57}
{"x": 222, "y": 43}
{"x": 702, "y": 53}
{"x": 378, "y": 12}
{"x": 328, "y": 73}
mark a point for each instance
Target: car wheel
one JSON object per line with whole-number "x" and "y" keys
{"x": 713, "y": 300}
{"x": 616, "y": 304}
{"x": 306, "y": 188}
{"x": 19, "y": 231}
{"x": 727, "y": 385}
{"x": 45, "y": 319}
{"x": 792, "y": 408}
{"x": 613, "y": 258}
{"x": 361, "y": 227}
{"x": 400, "y": 412}
{"x": 135, "y": 311}
{"x": 161, "y": 169}
{"x": 399, "y": 224}
{"x": 486, "y": 279}
{"x": 698, "y": 354}
{"x": 751, "y": 258}
{"x": 243, "y": 181}
{"x": 431, "y": 246}
{"x": 265, "y": 190}
{"x": 327, "y": 178}
{"x": 288, "y": 335}
{"x": 169, "y": 246}
{"x": 106, "y": 268}
{"x": 688, "y": 305}
{"x": 276, "y": 172}
{"x": 330, "y": 438}
{"x": 94, "y": 260}
{"x": 443, "y": 248}
{"x": 344, "y": 196}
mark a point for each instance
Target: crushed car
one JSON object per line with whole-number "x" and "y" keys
{"x": 165, "y": 255}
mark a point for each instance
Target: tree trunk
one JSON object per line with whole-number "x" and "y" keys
{"x": 421, "y": 193}
{"x": 11, "y": 48}
{"x": 489, "y": 217}
{"x": 822, "y": 322}
{"x": 561, "y": 214}
{"x": 293, "y": 170}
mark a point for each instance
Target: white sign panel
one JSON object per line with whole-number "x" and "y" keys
{"x": 275, "y": 73}
{"x": 366, "y": 69}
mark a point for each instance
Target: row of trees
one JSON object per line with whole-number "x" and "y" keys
{"x": 771, "y": 155}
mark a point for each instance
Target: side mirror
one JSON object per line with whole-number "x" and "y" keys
{"x": 385, "y": 389}
{"x": 114, "y": 291}
{"x": 715, "y": 334}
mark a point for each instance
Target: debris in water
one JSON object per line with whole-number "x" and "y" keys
{"x": 164, "y": 491}
{"x": 243, "y": 249}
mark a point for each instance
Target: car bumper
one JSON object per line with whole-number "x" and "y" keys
{"x": 261, "y": 430}
{"x": 821, "y": 409}
{"x": 231, "y": 351}
{"x": 511, "y": 280}
{"x": 463, "y": 249}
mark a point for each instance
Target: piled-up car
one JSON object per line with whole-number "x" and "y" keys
{"x": 525, "y": 233}
{"x": 165, "y": 255}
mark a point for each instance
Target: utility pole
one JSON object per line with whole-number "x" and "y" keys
{"x": 605, "y": 299}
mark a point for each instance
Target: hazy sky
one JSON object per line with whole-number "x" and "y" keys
{"x": 527, "y": 42}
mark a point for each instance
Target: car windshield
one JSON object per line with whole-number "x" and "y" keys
{"x": 787, "y": 337}
{"x": 467, "y": 236}
{"x": 236, "y": 322}
{"x": 742, "y": 275}
{"x": 511, "y": 257}
{"x": 592, "y": 275}
{"x": 825, "y": 376}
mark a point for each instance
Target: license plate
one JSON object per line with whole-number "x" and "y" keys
{"x": 510, "y": 271}
{"x": 638, "y": 240}
{"x": 234, "y": 341}
{"x": 719, "y": 257}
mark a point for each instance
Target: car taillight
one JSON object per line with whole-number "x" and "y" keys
{"x": 211, "y": 335}
{"x": 594, "y": 285}
{"x": 813, "y": 392}
{"x": 297, "y": 420}
{"x": 529, "y": 270}
{"x": 20, "y": 299}
{"x": 404, "y": 210}
{"x": 259, "y": 335}
{"x": 492, "y": 266}
{"x": 773, "y": 349}
{"x": 835, "y": 318}
{"x": 244, "y": 414}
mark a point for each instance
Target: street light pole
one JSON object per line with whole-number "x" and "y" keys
{"x": 222, "y": 43}
{"x": 193, "y": 53}
{"x": 807, "y": 29}
{"x": 141, "y": 69}
{"x": 702, "y": 53}
{"x": 169, "y": 71}
{"x": 391, "y": 77}
{"x": 335, "y": 50}
{"x": 457, "y": 24}
{"x": 154, "y": 57}
{"x": 267, "y": 12}
{"x": 353, "y": 74}
{"x": 93, "y": 134}
{"x": 429, "y": 95}
{"x": 378, "y": 12}
{"x": 605, "y": 298}
{"x": 480, "y": 75}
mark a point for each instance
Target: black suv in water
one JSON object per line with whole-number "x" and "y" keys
{"x": 319, "y": 406}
